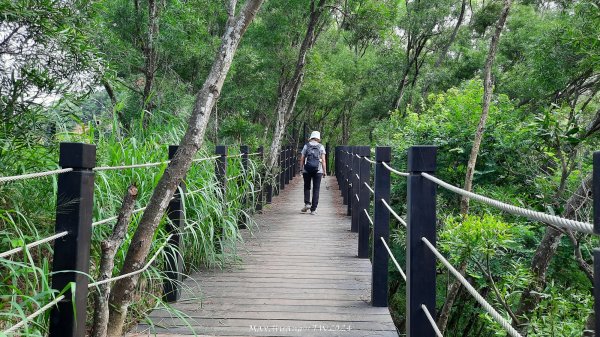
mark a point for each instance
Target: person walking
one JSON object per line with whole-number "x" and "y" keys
{"x": 314, "y": 167}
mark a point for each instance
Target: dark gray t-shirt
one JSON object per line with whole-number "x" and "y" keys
{"x": 321, "y": 150}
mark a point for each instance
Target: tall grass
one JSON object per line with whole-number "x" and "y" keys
{"x": 27, "y": 211}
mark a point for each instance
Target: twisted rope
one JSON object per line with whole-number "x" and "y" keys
{"x": 394, "y": 213}
{"x": 369, "y": 188}
{"x": 431, "y": 321}
{"x": 204, "y": 159}
{"x": 123, "y": 167}
{"x": 369, "y": 217}
{"x": 404, "y": 174}
{"x": 33, "y": 315}
{"x": 33, "y": 244}
{"x": 113, "y": 218}
{"x": 393, "y": 258}
{"x": 141, "y": 270}
{"x": 579, "y": 226}
{"x": 484, "y": 304}
{"x": 34, "y": 175}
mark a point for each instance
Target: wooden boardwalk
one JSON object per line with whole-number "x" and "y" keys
{"x": 299, "y": 276}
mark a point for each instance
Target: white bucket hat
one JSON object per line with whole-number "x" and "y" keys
{"x": 315, "y": 135}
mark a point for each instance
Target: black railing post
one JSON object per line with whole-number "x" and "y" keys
{"x": 71, "y": 262}
{"x": 355, "y": 188}
{"x": 343, "y": 174}
{"x": 259, "y": 184}
{"x": 292, "y": 160}
{"x": 221, "y": 174}
{"x": 420, "y": 261}
{"x": 337, "y": 165}
{"x": 244, "y": 151}
{"x": 381, "y": 229}
{"x": 282, "y": 170}
{"x": 349, "y": 175}
{"x": 327, "y": 149}
{"x": 596, "y": 201}
{"x": 364, "y": 195}
{"x": 286, "y": 170}
{"x": 174, "y": 261}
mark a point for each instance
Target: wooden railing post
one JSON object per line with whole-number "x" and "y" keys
{"x": 292, "y": 159}
{"x": 337, "y": 164}
{"x": 355, "y": 178}
{"x": 221, "y": 173}
{"x": 596, "y": 205}
{"x": 364, "y": 195}
{"x": 281, "y": 170}
{"x": 244, "y": 151}
{"x": 174, "y": 261}
{"x": 420, "y": 261}
{"x": 286, "y": 168}
{"x": 327, "y": 155}
{"x": 381, "y": 229}
{"x": 71, "y": 262}
{"x": 349, "y": 174}
{"x": 343, "y": 175}
{"x": 259, "y": 184}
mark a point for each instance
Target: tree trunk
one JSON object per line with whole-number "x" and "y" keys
{"x": 545, "y": 252}
{"x": 453, "y": 289}
{"x": 289, "y": 89}
{"x": 150, "y": 56}
{"x": 192, "y": 141}
{"x": 107, "y": 262}
{"x": 487, "y": 98}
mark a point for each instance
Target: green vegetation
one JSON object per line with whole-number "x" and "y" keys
{"x": 125, "y": 76}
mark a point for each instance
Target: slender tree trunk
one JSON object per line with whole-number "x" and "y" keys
{"x": 453, "y": 290}
{"x": 487, "y": 98}
{"x": 150, "y": 56}
{"x": 107, "y": 262}
{"x": 447, "y": 46}
{"x": 544, "y": 254}
{"x": 192, "y": 141}
{"x": 289, "y": 89}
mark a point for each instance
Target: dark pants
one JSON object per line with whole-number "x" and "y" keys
{"x": 316, "y": 182}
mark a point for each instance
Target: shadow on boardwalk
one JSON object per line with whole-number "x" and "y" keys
{"x": 299, "y": 277}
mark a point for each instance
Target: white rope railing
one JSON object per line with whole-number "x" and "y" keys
{"x": 132, "y": 166}
{"x": 404, "y": 174}
{"x": 369, "y": 188}
{"x": 369, "y": 160}
{"x": 34, "y": 175}
{"x": 124, "y": 167}
{"x": 438, "y": 333}
{"x": 141, "y": 270}
{"x": 113, "y": 218}
{"x": 205, "y": 159}
{"x": 33, "y": 244}
{"x": 394, "y": 213}
{"x": 393, "y": 258}
{"x": 579, "y": 226}
{"x": 369, "y": 217}
{"x": 236, "y": 177}
{"x": 38, "y": 312}
{"x": 484, "y": 304}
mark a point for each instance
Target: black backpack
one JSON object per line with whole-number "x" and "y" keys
{"x": 313, "y": 156}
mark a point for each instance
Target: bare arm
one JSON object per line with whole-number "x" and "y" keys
{"x": 301, "y": 163}
{"x": 324, "y": 163}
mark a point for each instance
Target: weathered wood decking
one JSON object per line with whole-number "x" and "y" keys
{"x": 299, "y": 276}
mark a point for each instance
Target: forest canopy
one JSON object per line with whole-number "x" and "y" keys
{"x": 507, "y": 90}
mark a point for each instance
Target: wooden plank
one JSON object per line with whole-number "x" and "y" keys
{"x": 297, "y": 275}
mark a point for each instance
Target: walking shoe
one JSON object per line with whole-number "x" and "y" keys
{"x": 305, "y": 208}
{"x": 313, "y": 212}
